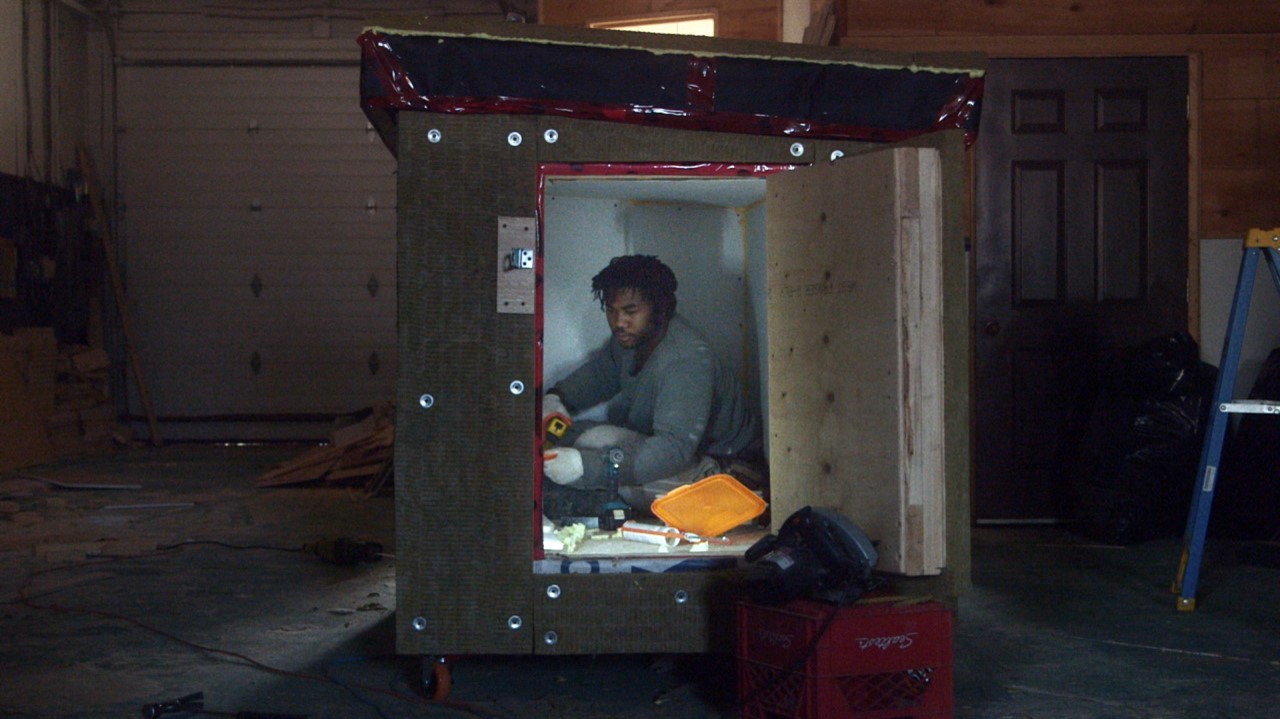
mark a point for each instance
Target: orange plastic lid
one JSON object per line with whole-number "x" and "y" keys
{"x": 708, "y": 507}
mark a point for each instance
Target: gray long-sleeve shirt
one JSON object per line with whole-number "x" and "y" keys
{"x": 684, "y": 400}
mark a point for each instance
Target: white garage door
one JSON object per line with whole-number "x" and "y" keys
{"x": 257, "y": 225}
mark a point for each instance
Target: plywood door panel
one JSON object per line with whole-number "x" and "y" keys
{"x": 258, "y": 240}
{"x": 855, "y": 349}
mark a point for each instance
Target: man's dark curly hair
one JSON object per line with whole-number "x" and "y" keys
{"x": 645, "y": 274}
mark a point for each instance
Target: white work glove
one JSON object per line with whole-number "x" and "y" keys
{"x": 562, "y": 465}
{"x": 551, "y": 405}
{"x": 603, "y": 436}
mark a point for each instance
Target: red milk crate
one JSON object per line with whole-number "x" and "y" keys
{"x": 876, "y": 660}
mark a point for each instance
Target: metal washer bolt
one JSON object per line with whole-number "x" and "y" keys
{"x": 426, "y": 401}
{"x": 681, "y": 596}
{"x": 433, "y": 136}
{"x": 419, "y": 624}
{"x": 514, "y": 139}
{"x": 550, "y": 638}
{"x": 797, "y": 149}
{"x": 836, "y": 155}
{"x": 553, "y": 591}
{"x": 551, "y": 135}
{"x": 514, "y": 621}
{"x": 517, "y": 387}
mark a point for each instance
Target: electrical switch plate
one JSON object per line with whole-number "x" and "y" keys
{"x": 517, "y": 236}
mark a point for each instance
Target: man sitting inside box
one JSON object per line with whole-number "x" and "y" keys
{"x": 675, "y": 411}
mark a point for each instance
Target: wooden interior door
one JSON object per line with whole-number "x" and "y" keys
{"x": 1080, "y": 252}
{"x": 856, "y": 393}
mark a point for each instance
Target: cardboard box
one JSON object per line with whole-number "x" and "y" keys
{"x": 854, "y": 282}
{"x": 27, "y": 380}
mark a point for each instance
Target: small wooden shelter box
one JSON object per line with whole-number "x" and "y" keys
{"x": 810, "y": 201}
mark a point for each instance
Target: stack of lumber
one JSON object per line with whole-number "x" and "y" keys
{"x": 358, "y": 455}
{"x": 84, "y": 416}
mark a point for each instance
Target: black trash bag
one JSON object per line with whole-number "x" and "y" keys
{"x": 1135, "y": 468}
{"x": 1246, "y": 503}
{"x": 1167, "y": 366}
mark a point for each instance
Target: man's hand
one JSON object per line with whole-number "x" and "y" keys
{"x": 562, "y": 465}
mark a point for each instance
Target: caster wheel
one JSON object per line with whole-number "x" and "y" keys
{"x": 435, "y": 678}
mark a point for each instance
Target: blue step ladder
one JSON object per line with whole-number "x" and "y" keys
{"x": 1257, "y": 244}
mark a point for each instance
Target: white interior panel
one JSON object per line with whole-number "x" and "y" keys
{"x": 702, "y": 229}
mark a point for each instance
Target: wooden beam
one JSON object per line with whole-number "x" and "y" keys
{"x": 90, "y": 178}
{"x": 1059, "y": 17}
{"x": 1012, "y": 46}
{"x": 1195, "y": 160}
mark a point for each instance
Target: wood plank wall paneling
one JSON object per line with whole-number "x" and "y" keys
{"x": 1240, "y": 144}
{"x": 737, "y": 19}
{"x": 1055, "y": 17}
{"x": 1239, "y": 141}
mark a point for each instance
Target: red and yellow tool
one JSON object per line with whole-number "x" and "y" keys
{"x": 554, "y": 427}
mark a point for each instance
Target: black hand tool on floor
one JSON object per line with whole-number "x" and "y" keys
{"x": 345, "y": 550}
{"x": 194, "y": 704}
{"x": 188, "y": 704}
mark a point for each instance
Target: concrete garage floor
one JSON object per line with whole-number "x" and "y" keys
{"x": 96, "y": 621}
